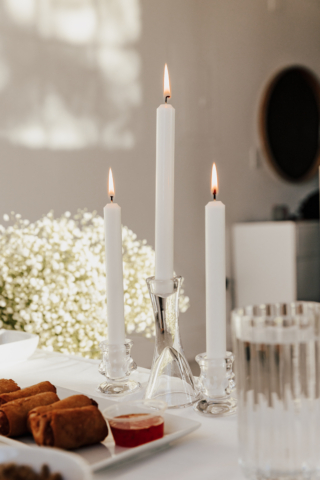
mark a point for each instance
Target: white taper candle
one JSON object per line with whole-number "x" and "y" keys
{"x": 165, "y": 187}
{"x": 114, "y": 269}
{"x": 215, "y": 275}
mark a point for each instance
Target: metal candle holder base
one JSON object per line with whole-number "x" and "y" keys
{"x": 117, "y": 366}
{"x": 217, "y": 381}
{"x": 171, "y": 378}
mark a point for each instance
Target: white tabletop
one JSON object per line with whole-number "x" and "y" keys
{"x": 208, "y": 453}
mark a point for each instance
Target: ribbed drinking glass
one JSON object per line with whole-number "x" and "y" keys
{"x": 277, "y": 363}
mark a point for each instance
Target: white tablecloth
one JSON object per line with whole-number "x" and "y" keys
{"x": 208, "y": 453}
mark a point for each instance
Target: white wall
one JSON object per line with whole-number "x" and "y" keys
{"x": 219, "y": 53}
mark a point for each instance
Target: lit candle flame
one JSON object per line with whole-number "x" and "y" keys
{"x": 166, "y": 83}
{"x": 214, "y": 181}
{"x": 111, "y": 185}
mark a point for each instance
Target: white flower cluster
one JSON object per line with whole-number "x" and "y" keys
{"x": 53, "y": 283}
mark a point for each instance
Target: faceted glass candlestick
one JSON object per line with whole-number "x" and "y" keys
{"x": 117, "y": 366}
{"x": 217, "y": 381}
{"x": 171, "y": 378}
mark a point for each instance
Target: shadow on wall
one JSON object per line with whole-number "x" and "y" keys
{"x": 69, "y": 72}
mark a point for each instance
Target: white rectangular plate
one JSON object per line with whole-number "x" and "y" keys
{"x": 107, "y": 453}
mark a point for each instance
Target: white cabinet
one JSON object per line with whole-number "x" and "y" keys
{"x": 276, "y": 262}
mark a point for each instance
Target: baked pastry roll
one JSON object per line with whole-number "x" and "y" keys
{"x": 27, "y": 392}
{"x": 70, "y": 428}
{"x": 14, "y": 415}
{"x": 75, "y": 401}
{"x": 7, "y": 386}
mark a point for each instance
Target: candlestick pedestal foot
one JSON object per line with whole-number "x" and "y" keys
{"x": 117, "y": 366}
{"x": 171, "y": 378}
{"x": 217, "y": 382}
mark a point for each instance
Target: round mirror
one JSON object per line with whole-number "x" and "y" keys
{"x": 290, "y": 123}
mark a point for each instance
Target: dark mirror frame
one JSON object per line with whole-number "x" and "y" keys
{"x": 314, "y": 85}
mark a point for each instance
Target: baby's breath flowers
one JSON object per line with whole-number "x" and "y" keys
{"x": 53, "y": 283}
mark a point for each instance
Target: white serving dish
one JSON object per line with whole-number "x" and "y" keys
{"x": 107, "y": 453}
{"x": 16, "y": 346}
{"x": 71, "y": 466}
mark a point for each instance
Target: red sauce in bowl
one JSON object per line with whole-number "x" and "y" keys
{"x": 137, "y": 430}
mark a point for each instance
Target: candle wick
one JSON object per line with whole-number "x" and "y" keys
{"x": 214, "y": 195}
{"x": 111, "y": 198}
{"x": 166, "y": 98}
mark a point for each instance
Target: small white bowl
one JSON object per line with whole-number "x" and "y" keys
{"x": 70, "y": 465}
{"x": 16, "y": 346}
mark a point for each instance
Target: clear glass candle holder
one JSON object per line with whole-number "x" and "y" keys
{"x": 277, "y": 350}
{"x": 217, "y": 382}
{"x": 117, "y": 366}
{"x": 171, "y": 379}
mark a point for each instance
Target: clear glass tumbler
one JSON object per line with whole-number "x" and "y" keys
{"x": 277, "y": 363}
